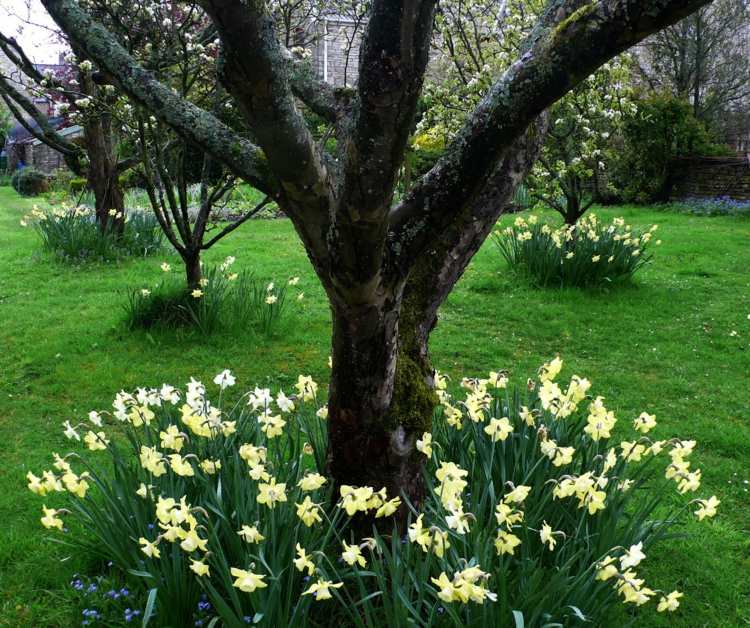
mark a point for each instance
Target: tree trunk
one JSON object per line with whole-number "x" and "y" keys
{"x": 108, "y": 200}
{"x": 380, "y": 402}
{"x": 382, "y": 395}
{"x": 193, "y": 272}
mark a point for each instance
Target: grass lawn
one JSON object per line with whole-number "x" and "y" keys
{"x": 664, "y": 345}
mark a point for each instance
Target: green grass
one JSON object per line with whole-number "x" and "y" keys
{"x": 663, "y": 345}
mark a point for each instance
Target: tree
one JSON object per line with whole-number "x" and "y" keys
{"x": 703, "y": 59}
{"x": 579, "y": 141}
{"x": 386, "y": 264}
{"x": 89, "y": 104}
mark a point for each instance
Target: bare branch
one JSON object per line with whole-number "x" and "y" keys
{"x": 241, "y": 156}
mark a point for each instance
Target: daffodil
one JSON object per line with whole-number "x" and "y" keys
{"x": 191, "y": 541}
{"x": 306, "y": 387}
{"x": 252, "y": 454}
{"x": 197, "y": 293}
{"x": 547, "y": 536}
{"x": 387, "y": 508}
{"x": 506, "y": 542}
{"x": 271, "y": 493}
{"x": 352, "y": 555}
{"x": 707, "y": 508}
{"x": 670, "y": 602}
{"x": 355, "y": 499}
{"x": 518, "y": 495}
{"x": 303, "y": 561}
{"x": 499, "y": 429}
{"x": 172, "y": 438}
{"x": 321, "y": 590}
{"x": 284, "y": 403}
{"x": 181, "y": 466}
{"x": 149, "y": 548}
{"x": 247, "y": 581}
{"x": 152, "y": 461}
{"x": 632, "y": 557}
{"x": 311, "y": 482}
{"x": 308, "y": 512}
{"x": 250, "y": 534}
{"x": 199, "y": 568}
{"x": 225, "y": 379}
{"x": 210, "y": 467}
{"x": 424, "y": 444}
{"x": 419, "y": 535}
{"x": 96, "y": 440}
{"x": 644, "y": 423}
{"x": 271, "y": 425}
{"x": 50, "y": 519}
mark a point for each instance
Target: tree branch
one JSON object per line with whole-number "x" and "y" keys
{"x": 200, "y": 127}
{"x": 393, "y": 60}
{"x": 260, "y": 84}
{"x": 44, "y": 131}
{"x": 231, "y": 227}
{"x": 570, "y": 48}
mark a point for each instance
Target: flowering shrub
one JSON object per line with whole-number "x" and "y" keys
{"x": 588, "y": 254}
{"x": 72, "y": 234}
{"x": 533, "y": 511}
{"x": 225, "y": 299}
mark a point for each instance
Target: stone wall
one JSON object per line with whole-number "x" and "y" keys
{"x": 711, "y": 177}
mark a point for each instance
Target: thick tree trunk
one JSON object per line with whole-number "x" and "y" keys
{"x": 380, "y": 403}
{"x": 382, "y": 398}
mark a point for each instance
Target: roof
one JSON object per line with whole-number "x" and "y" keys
{"x": 68, "y": 131}
{"x": 18, "y": 134}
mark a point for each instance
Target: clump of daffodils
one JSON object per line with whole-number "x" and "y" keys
{"x": 208, "y": 490}
{"x": 588, "y": 254}
{"x": 72, "y": 233}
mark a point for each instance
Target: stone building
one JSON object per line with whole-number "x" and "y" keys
{"x": 335, "y": 48}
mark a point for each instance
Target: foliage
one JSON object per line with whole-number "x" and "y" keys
{"x": 73, "y": 235}
{"x": 532, "y": 511}
{"x": 588, "y": 254}
{"x": 579, "y": 144}
{"x": 522, "y": 198}
{"x": 225, "y": 300}
{"x": 5, "y": 180}
{"x": 663, "y": 128}
{"x": 703, "y": 60}
{"x": 29, "y": 181}
{"x": 718, "y": 206}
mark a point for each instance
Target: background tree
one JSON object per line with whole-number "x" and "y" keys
{"x": 386, "y": 264}
{"x": 704, "y": 59}
{"x": 573, "y": 164}
{"x": 76, "y": 95}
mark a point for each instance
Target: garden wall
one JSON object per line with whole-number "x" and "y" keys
{"x": 709, "y": 177}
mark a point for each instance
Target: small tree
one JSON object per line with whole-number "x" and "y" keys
{"x": 579, "y": 141}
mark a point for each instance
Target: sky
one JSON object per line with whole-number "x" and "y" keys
{"x": 29, "y": 23}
